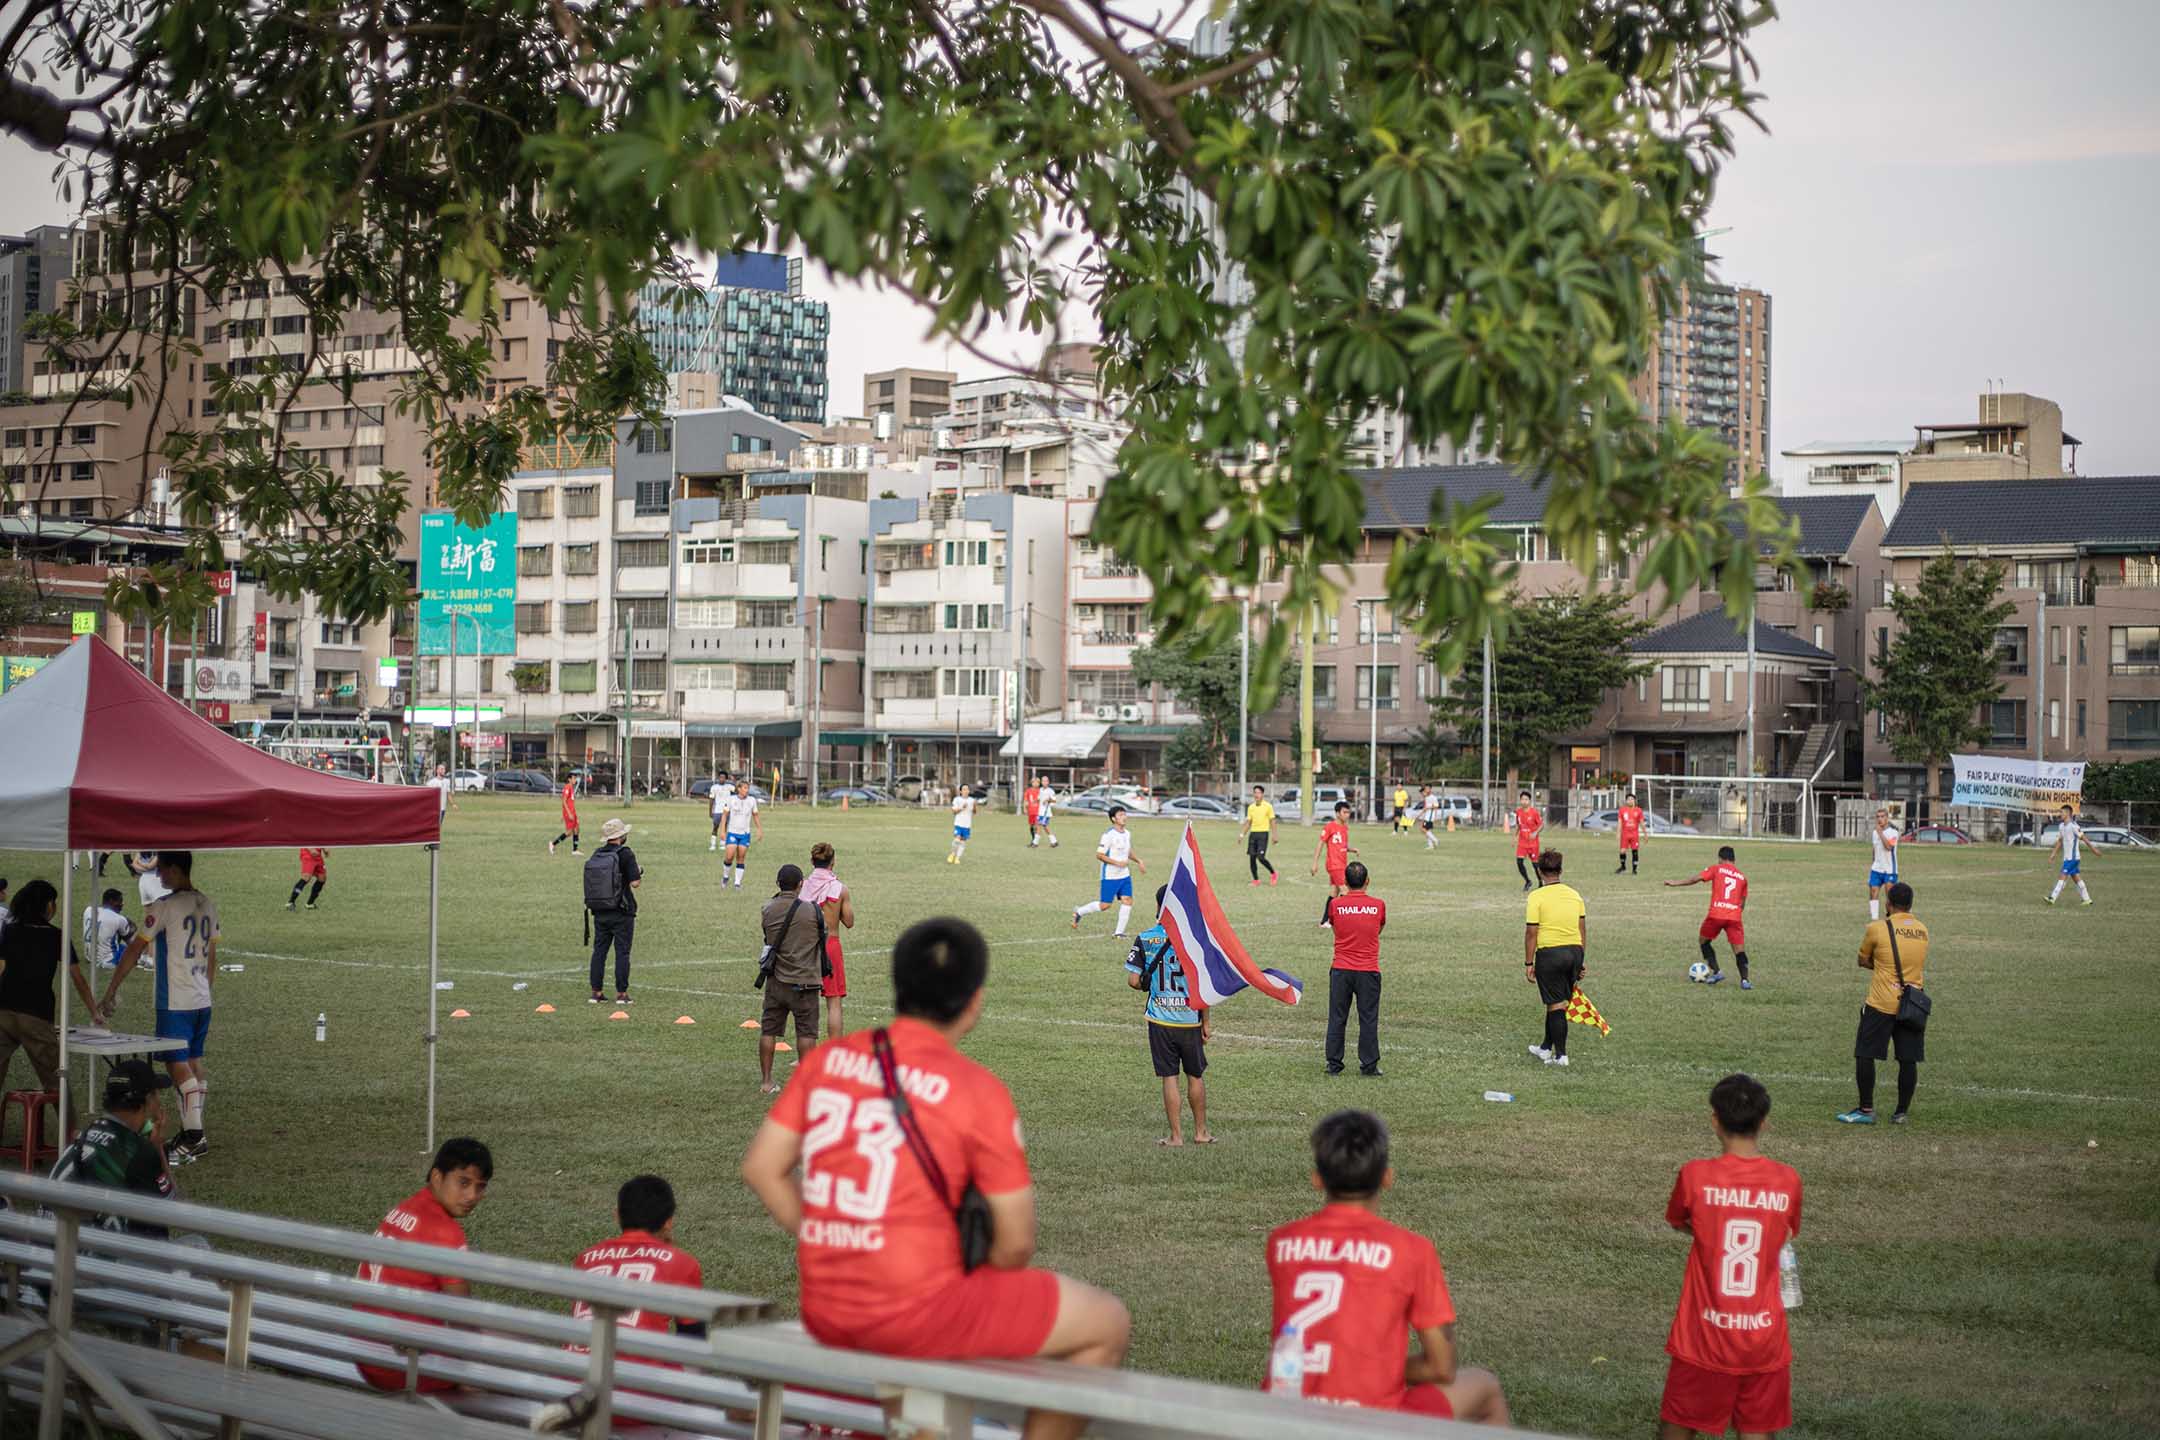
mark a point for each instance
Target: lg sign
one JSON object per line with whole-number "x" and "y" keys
{"x": 222, "y": 680}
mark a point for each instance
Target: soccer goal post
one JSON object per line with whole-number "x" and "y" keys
{"x": 1725, "y": 807}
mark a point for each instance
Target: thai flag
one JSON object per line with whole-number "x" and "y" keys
{"x": 1216, "y": 965}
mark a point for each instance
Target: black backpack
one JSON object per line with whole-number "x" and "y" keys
{"x": 603, "y": 879}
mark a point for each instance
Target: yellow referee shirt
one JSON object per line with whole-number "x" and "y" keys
{"x": 1557, "y": 911}
{"x": 1260, "y": 817}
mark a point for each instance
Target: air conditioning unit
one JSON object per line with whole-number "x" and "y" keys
{"x": 1128, "y": 712}
{"x": 1106, "y": 712}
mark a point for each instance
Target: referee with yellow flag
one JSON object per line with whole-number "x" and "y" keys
{"x": 1556, "y": 930}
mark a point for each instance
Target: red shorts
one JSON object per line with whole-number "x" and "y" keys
{"x": 834, "y": 986}
{"x": 1630, "y": 842}
{"x": 314, "y": 867}
{"x": 1526, "y": 846}
{"x": 1337, "y": 877}
{"x": 1733, "y": 930}
{"x": 985, "y": 1315}
{"x": 1428, "y": 1400}
{"x": 1710, "y": 1401}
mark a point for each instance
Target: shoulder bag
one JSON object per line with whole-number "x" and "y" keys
{"x": 765, "y": 956}
{"x": 1914, "y": 1003}
{"x": 973, "y": 1215}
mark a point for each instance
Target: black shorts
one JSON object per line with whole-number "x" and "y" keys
{"x": 1174, "y": 1047}
{"x": 1256, "y": 842}
{"x": 1877, "y": 1030}
{"x": 1558, "y": 968}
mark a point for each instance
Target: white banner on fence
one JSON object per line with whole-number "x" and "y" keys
{"x": 2033, "y": 787}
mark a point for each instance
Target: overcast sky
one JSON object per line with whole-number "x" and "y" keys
{"x": 1951, "y": 192}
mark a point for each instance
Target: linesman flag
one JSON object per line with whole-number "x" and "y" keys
{"x": 1216, "y": 965}
{"x": 1581, "y": 1012}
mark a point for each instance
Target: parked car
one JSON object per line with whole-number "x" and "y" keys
{"x": 2108, "y": 837}
{"x": 1328, "y": 795}
{"x": 1197, "y": 807}
{"x": 1938, "y": 835}
{"x": 1653, "y": 823}
{"x": 1086, "y": 804}
{"x": 465, "y": 781}
{"x": 1132, "y": 797}
{"x": 857, "y": 795}
{"x": 522, "y": 782}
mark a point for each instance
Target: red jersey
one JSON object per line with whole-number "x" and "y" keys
{"x": 1028, "y": 805}
{"x": 875, "y": 1238}
{"x": 638, "y": 1256}
{"x": 421, "y": 1219}
{"x": 1630, "y": 827}
{"x": 1335, "y": 837}
{"x": 1529, "y": 820}
{"x": 569, "y": 805}
{"x": 1359, "y": 918}
{"x": 1355, "y": 1286}
{"x": 1741, "y": 1212}
{"x": 1728, "y": 890}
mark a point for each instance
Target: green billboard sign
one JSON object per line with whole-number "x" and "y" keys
{"x": 470, "y": 574}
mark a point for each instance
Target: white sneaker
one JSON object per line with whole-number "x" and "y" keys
{"x": 2088, "y": 900}
{"x": 1541, "y": 1053}
{"x": 1559, "y": 1060}
{"x": 715, "y": 845}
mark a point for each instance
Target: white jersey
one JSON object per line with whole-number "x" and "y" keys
{"x": 148, "y": 887}
{"x": 1432, "y": 807}
{"x": 2073, "y": 837}
{"x": 181, "y": 928}
{"x": 963, "y": 811}
{"x": 1885, "y": 841}
{"x": 1044, "y": 799}
{"x": 739, "y": 810}
{"x": 719, "y": 795}
{"x": 1116, "y": 847}
{"x": 442, "y": 793}
{"x": 105, "y": 934}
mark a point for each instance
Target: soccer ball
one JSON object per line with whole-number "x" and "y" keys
{"x": 1698, "y": 972}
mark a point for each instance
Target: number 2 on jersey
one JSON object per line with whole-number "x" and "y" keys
{"x": 1323, "y": 1290}
{"x": 878, "y": 1139}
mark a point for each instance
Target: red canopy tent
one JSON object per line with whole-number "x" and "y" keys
{"x": 97, "y": 757}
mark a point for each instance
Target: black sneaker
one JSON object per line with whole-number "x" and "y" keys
{"x": 623, "y": 999}
{"x": 595, "y": 998}
{"x": 1332, "y": 1071}
{"x": 311, "y": 905}
{"x": 292, "y": 905}
{"x": 1376, "y": 1073}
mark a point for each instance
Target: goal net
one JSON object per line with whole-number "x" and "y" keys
{"x": 1724, "y": 807}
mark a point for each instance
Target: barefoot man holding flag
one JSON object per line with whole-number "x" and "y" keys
{"x": 1215, "y": 963}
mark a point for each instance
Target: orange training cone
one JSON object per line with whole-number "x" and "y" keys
{"x": 783, "y": 1047}
{"x": 748, "y": 1025}
{"x": 461, "y": 1014}
{"x": 544, "y": 1010}
{"x": 620, "y": 1015}
{"x": 843, "y": 802}
{"x": 684, "y": 1020}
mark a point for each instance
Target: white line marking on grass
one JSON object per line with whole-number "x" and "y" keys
{"x": 1281, "y": 1041}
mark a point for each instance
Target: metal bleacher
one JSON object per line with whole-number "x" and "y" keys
{"x": 162, "y": 1338}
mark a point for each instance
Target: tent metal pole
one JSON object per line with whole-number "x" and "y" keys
{"x": 434, "y": 966}
{"x": 67, "y": 924}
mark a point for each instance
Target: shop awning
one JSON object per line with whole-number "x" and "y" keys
{"x": 849, "y": 737}
{"x": 1060, "y": 741}
{"x": 743, "y": 729}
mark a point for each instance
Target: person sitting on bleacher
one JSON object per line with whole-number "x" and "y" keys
{"x": 904, "y": 1142}
{"x": 456, "y": 1184}
{"x": 120, "y": 1149}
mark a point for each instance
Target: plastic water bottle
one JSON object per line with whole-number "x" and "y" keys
{"x": 1286, "y": 1363}
{"x": 322, "y": 1023}
{"x": 1788, "y": 1277}
{"x": 1499, "y": 1097}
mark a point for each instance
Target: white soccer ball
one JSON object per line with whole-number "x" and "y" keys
{"x": 1698, "y": 972}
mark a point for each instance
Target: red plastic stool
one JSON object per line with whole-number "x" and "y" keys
{"x": 34, "y": 1103}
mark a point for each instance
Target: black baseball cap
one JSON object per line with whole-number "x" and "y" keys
{"x": 130, "y": 1082}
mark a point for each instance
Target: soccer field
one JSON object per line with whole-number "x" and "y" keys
{"x": 1988, "y": 1270}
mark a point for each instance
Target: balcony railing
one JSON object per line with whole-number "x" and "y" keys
{"x": 2010, "y": 667}
{"x": 1116, "y": 637}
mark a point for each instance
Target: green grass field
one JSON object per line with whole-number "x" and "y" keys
{"x": 1987, "y": 1271}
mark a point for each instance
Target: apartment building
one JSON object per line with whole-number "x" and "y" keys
{"x": 2013, "y": 437}
{"x": 967, "y": 594}
{"x": 1709, "y": 365}
{"x": 1874, "y": 468}
{"x": 982, "y": 409}
{"x": 2080, "y": 654}
{"x": 906, "y": 405}
{"x": 34, "y": 270}
{"x": 752, "y": 327}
